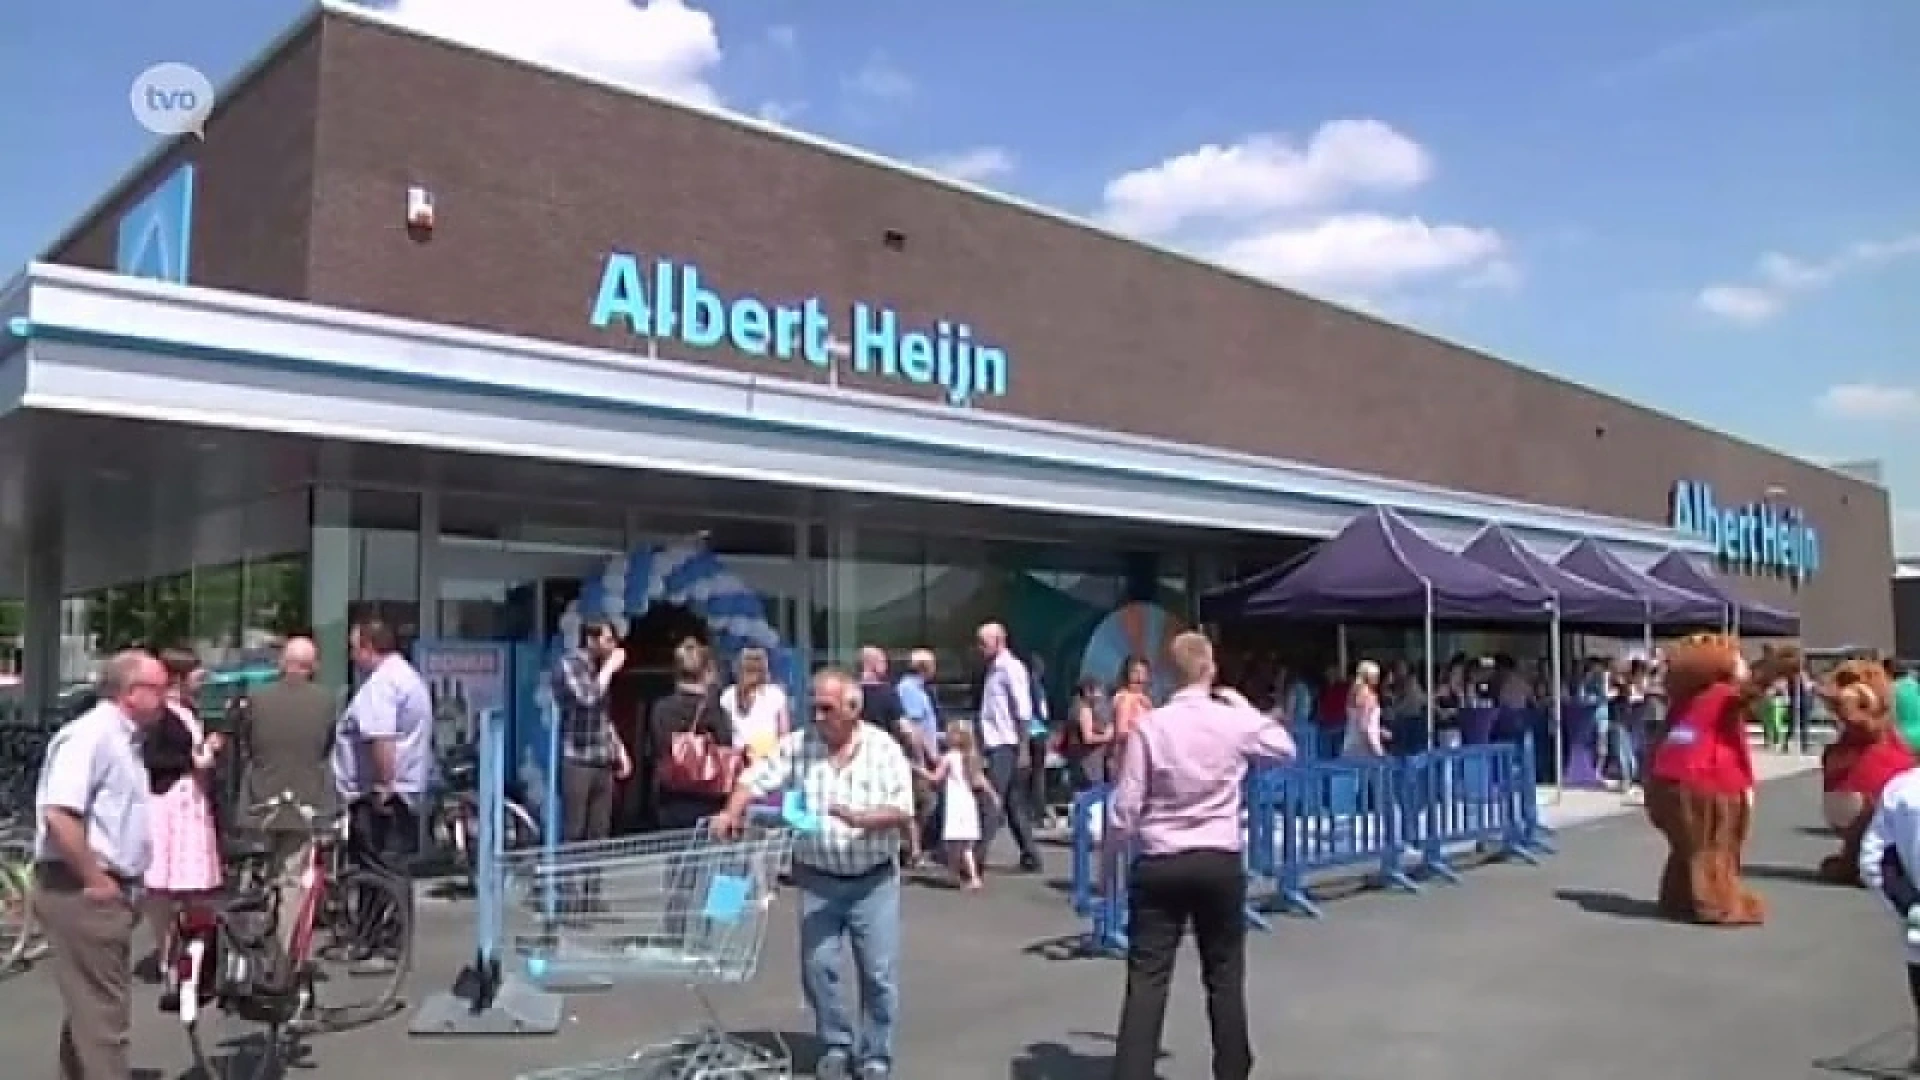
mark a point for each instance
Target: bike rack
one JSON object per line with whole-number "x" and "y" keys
{"x": 484, "y": 1000}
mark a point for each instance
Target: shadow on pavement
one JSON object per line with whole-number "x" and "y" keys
{"x": 1057, "y": 1061}
{"x": 1886, "y": 1056}
{"x": 802, "y": 1045}
{"x": 1065, "y": 947}
{"x": 1618, "y": 905}
{"x": 1804, "y": 875}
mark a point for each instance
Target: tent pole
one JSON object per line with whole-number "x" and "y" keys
{"x": 1559, "y": 732}
{"x": 1340, "y": 650}
{"x": 1428, "y": 664}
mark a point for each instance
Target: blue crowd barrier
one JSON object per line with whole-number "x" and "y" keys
{"x": 1102, "y": 899}
{"x": 1389, "y": 819}
{"x": 1332, "y": 815}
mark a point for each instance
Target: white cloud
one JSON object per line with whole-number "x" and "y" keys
{"x": 1264, "y": 174}
{"x": 1870, "y": 401}
{"x": 1287, "y": 211}
{"x": 1359, "y": 252}
{"x": 663, "y": 46}
{"x": 976, "y": 166}
{"x": 1739, "y": 303}
{"x": 779, "y": 112}
{"x": 880, "y": 81}
{"x": 1777, "y": 279}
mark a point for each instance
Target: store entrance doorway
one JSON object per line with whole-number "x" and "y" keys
{"x": 650, "y": 642}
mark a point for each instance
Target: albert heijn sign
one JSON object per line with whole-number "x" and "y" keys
{"x": 1761, "y": 537}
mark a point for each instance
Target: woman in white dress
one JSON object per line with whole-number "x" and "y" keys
{"x": 962, "y": 780}
{"x": 756, "y": 705}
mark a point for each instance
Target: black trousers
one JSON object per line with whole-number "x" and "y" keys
{"x": 1003, "y": 772}
{"x": 1207, "y": 891}
{"x": 384, "y": 839}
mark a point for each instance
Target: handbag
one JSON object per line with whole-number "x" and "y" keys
{"x": 697, "y": 763}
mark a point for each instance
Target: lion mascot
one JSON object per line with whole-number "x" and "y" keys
{"x": 1699, "y": 787}
{"x": 1867, "y": 753}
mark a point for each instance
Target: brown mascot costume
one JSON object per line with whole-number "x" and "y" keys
{"x": 1867, "y": 754}
{"x": 1700, "y": 784}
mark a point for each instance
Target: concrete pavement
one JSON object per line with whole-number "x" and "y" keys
{"x": 1522, "y": 972}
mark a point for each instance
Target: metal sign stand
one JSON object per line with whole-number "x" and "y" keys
{"x": 483, "y": 1000}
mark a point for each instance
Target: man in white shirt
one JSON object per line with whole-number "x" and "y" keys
{"x": 1006, "y": 710}
{"x": 1889, "y": 856}
{"x": 90, "y": 848}
{"x": 855, "y": 777}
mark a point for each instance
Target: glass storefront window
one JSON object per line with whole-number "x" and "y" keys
{"x": 1074, "y": 609}
{"x": 218, "y": 592}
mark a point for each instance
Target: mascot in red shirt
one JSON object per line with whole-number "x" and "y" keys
{"x": 1858, "y": 765}
{"x": 1699, "y": 786}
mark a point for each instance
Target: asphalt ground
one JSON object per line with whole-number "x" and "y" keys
{"x": 1558, "y": 970}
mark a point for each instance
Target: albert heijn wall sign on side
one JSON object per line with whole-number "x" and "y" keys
{"x": 670, "y": 299}
{"x": 1761, "y": 537}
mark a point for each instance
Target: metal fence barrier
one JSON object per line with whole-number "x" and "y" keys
{"x": 1389, "y": 819}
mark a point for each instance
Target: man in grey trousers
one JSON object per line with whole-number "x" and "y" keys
{"x": 91, "y": 847}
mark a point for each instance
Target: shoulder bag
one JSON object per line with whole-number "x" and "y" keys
{"x": 699, "y": 764}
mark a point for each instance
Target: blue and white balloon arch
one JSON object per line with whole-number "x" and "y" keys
{"x": 686, "y": 575}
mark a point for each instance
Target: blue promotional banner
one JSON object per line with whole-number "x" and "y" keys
{"x": 534, "y": 771}
{"x": 466, "y": 679}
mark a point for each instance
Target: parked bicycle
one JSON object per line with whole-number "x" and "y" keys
{"x": 20, "y": 941}
{"x": 239, "y": 961}
{"x": 453, "y": 819}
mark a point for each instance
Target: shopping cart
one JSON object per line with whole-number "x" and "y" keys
{"x": 685, "y": 907}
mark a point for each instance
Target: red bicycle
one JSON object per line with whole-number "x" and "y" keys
{"x": 242, "y": 963}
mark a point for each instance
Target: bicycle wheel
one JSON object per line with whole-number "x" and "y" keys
{"x": 16, "y": 919}
{"x": 230, "y": 1040}
{"x": 363, "y": 951}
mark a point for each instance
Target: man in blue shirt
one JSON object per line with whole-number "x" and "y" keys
{"x": 382, "y": 761}
{"x": 922, "y": 721}
{"x": 916, "y": 703}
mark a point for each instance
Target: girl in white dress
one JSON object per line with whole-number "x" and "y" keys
{"x": 962, "y": 779}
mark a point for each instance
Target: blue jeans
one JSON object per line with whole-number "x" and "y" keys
{"x": 865, "y": 913}
{"x": 1626, "y": 752}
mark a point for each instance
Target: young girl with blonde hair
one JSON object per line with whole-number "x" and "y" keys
{"x": 962, "y": 779}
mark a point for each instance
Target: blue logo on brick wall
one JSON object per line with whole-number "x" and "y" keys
{"x": 156, "y": 234}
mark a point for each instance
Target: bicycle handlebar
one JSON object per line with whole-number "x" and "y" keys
{"x": 286, "y": 801}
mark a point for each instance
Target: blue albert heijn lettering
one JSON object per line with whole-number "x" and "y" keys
{"x": 672, "y": 299}
{"x": 1760, "y": 537}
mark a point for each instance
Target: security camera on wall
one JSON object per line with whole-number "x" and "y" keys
{"x": 419, "y": 210}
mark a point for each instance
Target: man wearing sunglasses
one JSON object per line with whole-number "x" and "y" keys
{"x": 854, "y": 779}
{"x": 90, "y": 849}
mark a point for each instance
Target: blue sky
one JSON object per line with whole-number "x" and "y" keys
{"x": 1711, "y": 206}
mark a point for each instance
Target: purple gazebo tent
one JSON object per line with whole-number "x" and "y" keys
{"x": 1381, "y": 569}
{"x": 1577, "y": 602}
{"x": 1582, "y": 603}
{"x": 1745, "y": 616}
{"x": 1664, "y": 605}
{"x": 1227, "y": 601}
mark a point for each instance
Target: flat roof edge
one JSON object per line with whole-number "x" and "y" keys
{"x": 75, "y": 289}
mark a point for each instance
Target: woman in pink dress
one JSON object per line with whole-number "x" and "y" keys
{"x": 179, "y": 757}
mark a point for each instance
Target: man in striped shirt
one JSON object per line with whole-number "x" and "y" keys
{"x": 856, "y": 779}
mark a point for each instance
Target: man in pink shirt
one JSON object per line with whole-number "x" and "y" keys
{"x": 1177, "y": 805}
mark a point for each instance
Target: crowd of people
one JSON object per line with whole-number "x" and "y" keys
{"x": 128, "y": 818}
{"x": 128, "y": 821}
